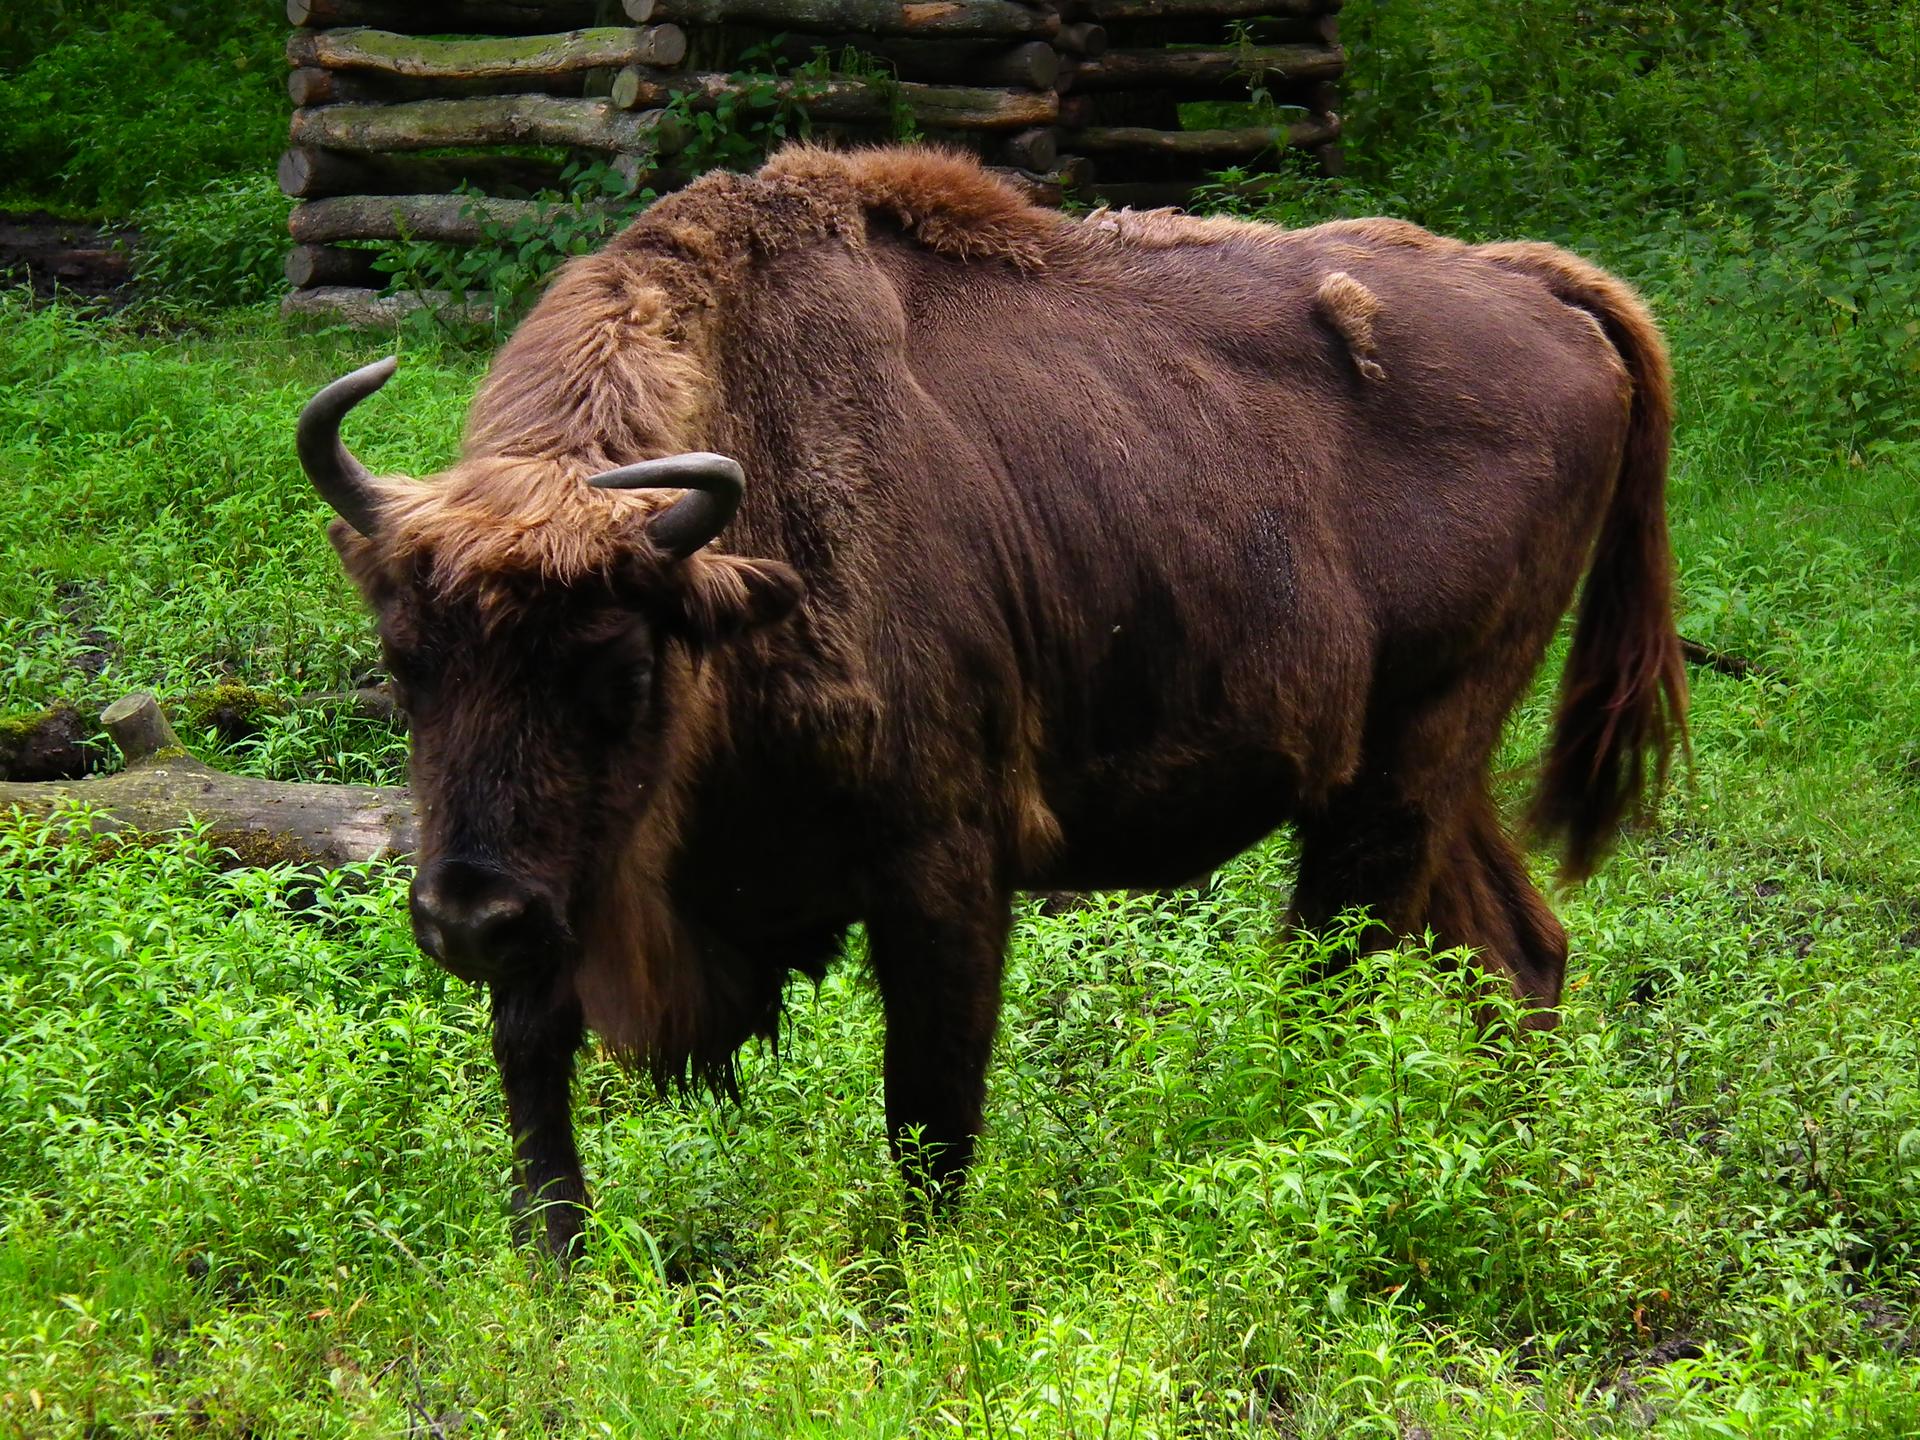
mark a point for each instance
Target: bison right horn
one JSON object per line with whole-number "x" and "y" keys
{"x": 714, "y": 485}
{"x": 343, "y": 482}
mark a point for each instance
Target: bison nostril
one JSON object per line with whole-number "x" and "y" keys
{"x": 474, "y": 920}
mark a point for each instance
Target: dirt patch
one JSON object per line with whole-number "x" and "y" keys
{"x": 70, "y": 257}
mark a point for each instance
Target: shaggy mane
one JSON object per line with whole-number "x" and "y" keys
{"x": 616, "y": 363}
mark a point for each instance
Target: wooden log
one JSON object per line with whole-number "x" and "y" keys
{"x": 871, "y": 17}
{"x": 1211, "y": 9}
{"x": 448, "y": 219}
{"x": 1030, "y": 64}
{"x": 1036, "y": 150}
{"x": 1146, "y": 194}
{"x": 365, "y": 309}
{"x": 492, "y": 120}
{"x": 310, "y": 173}
{"x": 264, "y": 822}
{"x": 1083, "y": 37}
{"x": 1209, "y": 31}
{"x": 1228, "y": 69}
{"x": 310, "y": 265}
{"x": 951, "y": 107}
{"x": 311, "y": 85}
{"x": 532, "y": 59}
{"x": 442, "y": 17}
{"x": 1077, "y": 110}
{"x": 1205, "y": 146}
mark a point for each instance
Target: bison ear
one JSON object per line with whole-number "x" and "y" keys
{"x": 721, "y": 596}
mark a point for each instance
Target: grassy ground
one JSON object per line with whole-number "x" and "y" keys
{"x": 252, "y": 1174}
{"x": 252, "y": 1178}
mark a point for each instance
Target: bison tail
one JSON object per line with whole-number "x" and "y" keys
{"x": 1623, "y": 695}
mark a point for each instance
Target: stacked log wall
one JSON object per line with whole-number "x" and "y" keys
{"x": 439, "y": 120}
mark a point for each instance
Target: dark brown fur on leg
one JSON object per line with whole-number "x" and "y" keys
{"x": 535, "y": 1035}
{"x": 1484, "y": 898}
{"x": 939, "y": 973}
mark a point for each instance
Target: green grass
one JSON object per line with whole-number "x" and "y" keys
{"x": 252, "y": 1171}
{"x": 252, "y": 1176}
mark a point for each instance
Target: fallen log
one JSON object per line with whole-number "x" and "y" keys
{"x": 309, "y": 173}
{"x": 1227, "y": 70}
{"x": 869, "y": 17}
{"x": 949, "y": 107}
{"x": 311, "y": 85}
{"x": 488, "y": 120}
{"x": 56, "y": 744}
{"x": 529, "y": 58}
{"x": 263, "y": 822}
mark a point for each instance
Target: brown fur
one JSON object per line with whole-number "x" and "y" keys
{"x": 1121, "y": 541}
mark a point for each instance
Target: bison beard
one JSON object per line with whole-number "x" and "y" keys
{"x": 854, "y": 543}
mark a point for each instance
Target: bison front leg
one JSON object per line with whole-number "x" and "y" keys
{"x": 535, "y": 1036}
{"x": 937, "y": 953}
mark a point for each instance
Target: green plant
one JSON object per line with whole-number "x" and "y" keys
{"x": 222, "y": 246}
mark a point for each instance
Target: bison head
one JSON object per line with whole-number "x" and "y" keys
{"x": 541, "y": 698}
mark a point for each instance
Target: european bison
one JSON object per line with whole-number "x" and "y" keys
{"x": 854, "y": 542}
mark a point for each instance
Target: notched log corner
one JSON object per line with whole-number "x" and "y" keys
{"x": 262, "y": 822}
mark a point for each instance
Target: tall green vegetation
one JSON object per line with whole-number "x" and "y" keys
{"x": 251, "y": 1168}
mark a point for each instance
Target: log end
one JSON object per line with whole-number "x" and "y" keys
{"x": 139, "y": 727}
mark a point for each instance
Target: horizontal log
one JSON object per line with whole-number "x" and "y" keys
{"x": 951, "y": 107}
{"x": 1209, "y": 31}
{"x": 492, "y": 120}
{"x": 530, "y": 58}
{"x": 1210, "y": 9}
{"x": 264, "y": 822}
{"x": 1033, "y": 64}
{"x": 1146, "y": 194}
{"x": 1204, "y": 145}
{"x": 310, "y": 265}
{"x": 311, "y": 85}
{"x": 366, "y": 309}
{"x": 1037, "y": 189}
{"x": 1083, "y": 37}
{"x": 447, "y": 219}
{"x": 1210, "y": 71}
{"x": 310, "y": 173}
{"x": 441, "y": 17}
{"x": 870, "y": 17}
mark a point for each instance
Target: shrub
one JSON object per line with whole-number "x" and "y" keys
{"x": 222, "y": 246}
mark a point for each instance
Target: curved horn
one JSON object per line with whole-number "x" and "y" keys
{"x": 341, "y": 480}
{"x": 714, "y": 485}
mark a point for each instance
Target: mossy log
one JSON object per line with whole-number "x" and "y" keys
{"x": 1211, "y": 72}
{"x": 442, "y": 17}
{"x": 1204, "y": 146}
{"x": 949, "y": 107}
{"x": 310, "y": 173}
{"x": 447, "y": 219}
{"x": 489, "y": 120}
{"x": 534, "y": 59}
{"x": 866, "y": 17}
{"x": 56, "y": 744}
{"x": 1030, "y": 64}
{"x": 362, "y": 308}
{"x": 264, "y": 822}
{"x": 310, "y": 265}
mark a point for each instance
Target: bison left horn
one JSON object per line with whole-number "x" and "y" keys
{"x": 714, "y": 485}
{"x": 343, "y": 482}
